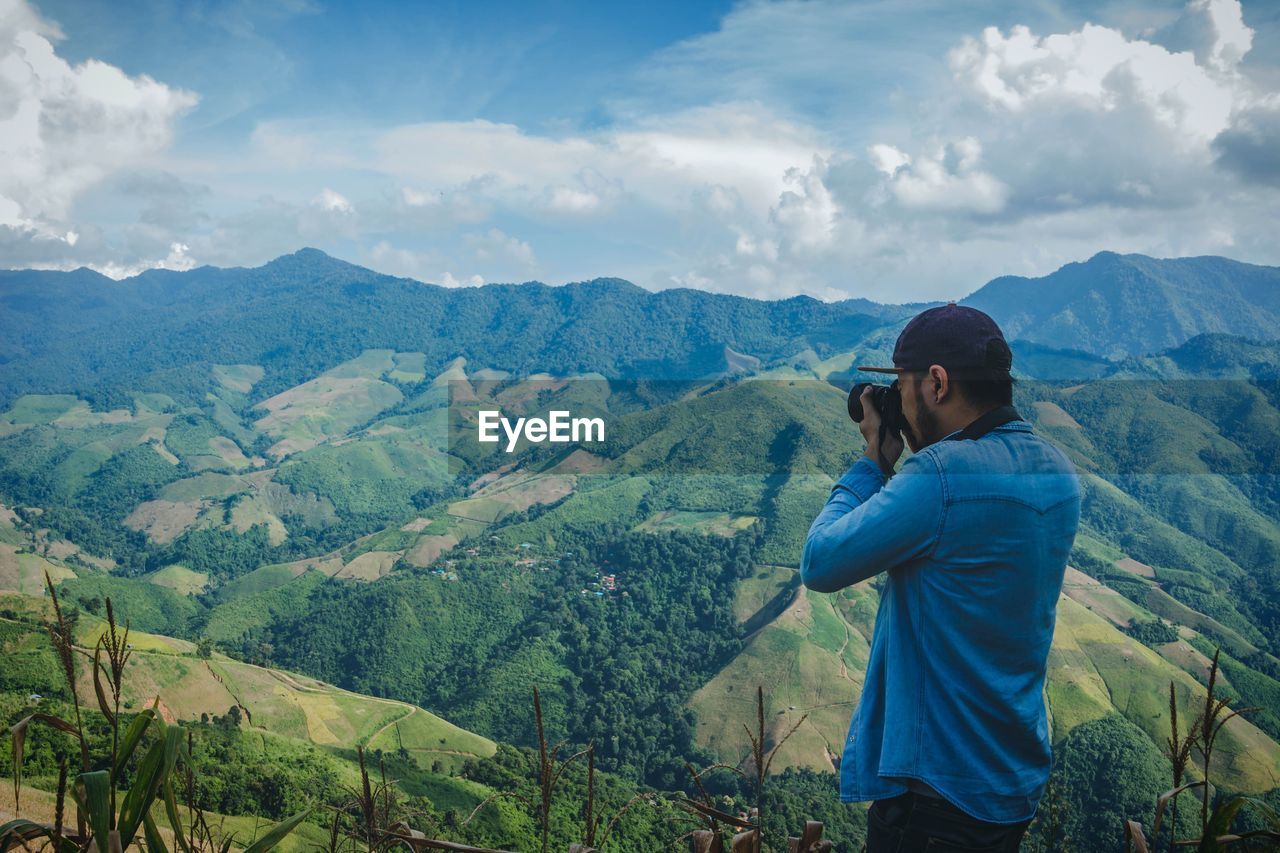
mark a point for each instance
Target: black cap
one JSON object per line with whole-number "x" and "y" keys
{"x": 964, "y": 340}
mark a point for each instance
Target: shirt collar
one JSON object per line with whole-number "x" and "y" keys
{"x": 980, "y": 426}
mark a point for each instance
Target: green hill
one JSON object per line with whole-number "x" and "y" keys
{"x": 1126, "y": 305}
{"x": 280, "y": 702}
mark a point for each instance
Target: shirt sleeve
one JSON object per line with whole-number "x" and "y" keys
{"x": 869, "y": 526}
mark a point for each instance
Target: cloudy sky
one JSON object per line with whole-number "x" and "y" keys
{"x": 894, "y": 150}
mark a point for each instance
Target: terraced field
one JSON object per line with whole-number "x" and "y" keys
{"x": 279, "y": 702}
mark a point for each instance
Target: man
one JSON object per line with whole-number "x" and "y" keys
{"x": 950, "y": 737}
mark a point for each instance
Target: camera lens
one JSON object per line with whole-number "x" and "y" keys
{"x": 888, "y": 402}
{"x": 855, "y": 401}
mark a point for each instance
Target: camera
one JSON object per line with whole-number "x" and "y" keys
{"x": 888, "y": 402}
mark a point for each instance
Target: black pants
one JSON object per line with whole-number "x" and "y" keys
{"x": 914, "y": 823}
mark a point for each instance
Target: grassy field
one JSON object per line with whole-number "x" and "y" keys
{"x": 1103, "y": 600}
{"x": 252, "y": 510}
{"x": 1095, "y": 669}
{"x": 430, "y": 739}
{"x": 275, "y": 701}
{"x": 409, "y": 368}
{"x": 810, "y": 660}
{"x": 757, "y": 590}
{"x": 163, "y": 521}
{"x": 239, "y": 378}
{"x": 335, "y": 402}
{"x": 718, "y": 523}
{"x": 200, "y": 501}
{"x": 261, "y": 579}
{"x": 266, "y": 591}
{"x": 370, "y": 565}
{"x": 40, "y": 408}
{"x": 24, "y": 571}
{"x": 322, "y": 408}
{"x": 180, "y": 579}
{"x": 596, "y": 499}
{"x": 229, "y": 452}
{"x": 89, "y": 628}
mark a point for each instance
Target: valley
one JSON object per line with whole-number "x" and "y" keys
{"x": 312, "y": 534}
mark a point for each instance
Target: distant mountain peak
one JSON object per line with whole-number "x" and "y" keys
{"x": 1119, "y": 306}
{"x": 312, "y": 261}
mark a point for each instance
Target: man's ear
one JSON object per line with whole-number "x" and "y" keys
{"x": 939, "y": 384}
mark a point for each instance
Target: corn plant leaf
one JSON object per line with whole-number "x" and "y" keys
{"x": 1134, "y": 838}
{"x": 153, "y": 770}
{"x": 171, "y": 811}
{"x": 155, "y": 843}
{"x": 132, "y": 736}
{"x": 276, "y": 834}
{"x": 19, "y": 733}
{"x": 1268, "y": 811}
{"x": 1220, "y": 823}
{"x": 1163, "y": 802}
{"x": 1268, "y": 834}
{"x": 17, "y": 832}
{"x": 97, "y": 684}
{"x": 92, "y": 793}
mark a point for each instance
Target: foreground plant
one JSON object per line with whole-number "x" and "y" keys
{"x": 109, "y": 818}
{"x": 550, "y": 769}
{"x": 1215, "y": 826}
{"x": 752, "y": 825}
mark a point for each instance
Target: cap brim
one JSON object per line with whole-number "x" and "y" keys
{"x": 883, "y": 369}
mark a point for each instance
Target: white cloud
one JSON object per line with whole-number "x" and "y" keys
{"x": 887, "y": 159}
{"x": 948, "y": 180}
{"x": 417, "y": 198}
{"x": 570, "y": 200}
{"x": 1231, "y": 38}
{"x": 658, "y": 160}
{"x": 494, "y": 245}
{"x": 806, "y": 215}
{"x": 333, "y": 201}
{"x": 1098, "y": 68}
{"x": 64, "y": 128}
{"x": 423, "y": 266}
{"x": 177, "y": 259}
{"x": 447, "y": 279}
{"x": 820, "y": 147}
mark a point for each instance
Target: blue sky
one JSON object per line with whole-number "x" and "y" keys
{"x": 894, "y": 150}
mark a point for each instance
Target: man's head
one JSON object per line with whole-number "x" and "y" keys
{"x": 953, "y": 364}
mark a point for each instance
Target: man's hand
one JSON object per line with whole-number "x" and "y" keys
{"x": 884, "y": 456}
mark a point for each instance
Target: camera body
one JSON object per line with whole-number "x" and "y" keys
{"x": 888, "y": 402}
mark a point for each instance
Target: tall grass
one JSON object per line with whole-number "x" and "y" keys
{"x": 110, "y": 818}
{"x": 1214, "y": 825}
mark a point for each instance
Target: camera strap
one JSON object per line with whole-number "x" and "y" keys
{"x": 987, "y": 422}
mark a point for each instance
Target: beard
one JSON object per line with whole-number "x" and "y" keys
{"x": 925, "y": 430}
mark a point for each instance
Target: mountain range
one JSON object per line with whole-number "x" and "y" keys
{"x": 274, "y": 473}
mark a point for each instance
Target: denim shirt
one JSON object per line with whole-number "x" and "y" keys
{"x": 974, "y": 537}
